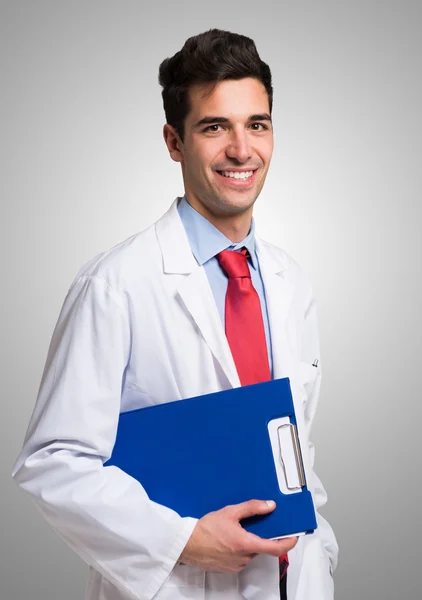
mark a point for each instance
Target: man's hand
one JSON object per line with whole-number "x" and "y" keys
{"x": 220, "y": 544}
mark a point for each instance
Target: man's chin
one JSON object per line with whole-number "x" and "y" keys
{"x": 235, "y": 204}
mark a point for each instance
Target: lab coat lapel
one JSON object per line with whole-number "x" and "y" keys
{"x": 197, "y": 296}
{"x": 279, "y": 295}
{"x": 194, "y": 289}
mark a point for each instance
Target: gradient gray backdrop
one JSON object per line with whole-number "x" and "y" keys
{"x": 84, "y": 166}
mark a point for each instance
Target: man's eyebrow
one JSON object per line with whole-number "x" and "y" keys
{"x": 260, "y": 117}
{"x": 211, "y": 120}
{"x": 215, "y": 120}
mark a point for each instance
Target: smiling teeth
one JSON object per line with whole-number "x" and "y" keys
{"x": 237, "y": 175}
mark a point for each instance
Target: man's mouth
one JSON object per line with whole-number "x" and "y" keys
{"x": 238, "y": 178}
{"x": 237, "y": 174}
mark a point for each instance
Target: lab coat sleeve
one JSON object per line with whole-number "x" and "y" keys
{"x": 310, "y": 352}
{"x": 101, "y": 512}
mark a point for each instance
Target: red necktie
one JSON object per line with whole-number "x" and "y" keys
{"x": 245, "y": 328}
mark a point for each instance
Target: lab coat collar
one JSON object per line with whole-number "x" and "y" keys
{"x": 177, "y": 253}
{"x": 174, "y": 243}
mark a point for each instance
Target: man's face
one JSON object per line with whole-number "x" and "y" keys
{"x": 227, "y": 146}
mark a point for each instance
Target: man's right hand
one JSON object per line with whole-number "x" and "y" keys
{"x": 220, "y": 544}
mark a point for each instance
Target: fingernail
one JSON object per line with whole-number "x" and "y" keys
{"x": 270, "y": 503}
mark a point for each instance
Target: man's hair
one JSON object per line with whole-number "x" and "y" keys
{"x": 209, "y": 57}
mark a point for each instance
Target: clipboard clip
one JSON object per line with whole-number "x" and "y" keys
{"x": 288, "y": 441}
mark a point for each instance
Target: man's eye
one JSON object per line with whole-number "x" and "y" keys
{"x": 259, "y": 126}
{"x": 212, "y": 128}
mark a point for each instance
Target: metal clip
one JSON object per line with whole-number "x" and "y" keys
{"x": 297, "y": 453}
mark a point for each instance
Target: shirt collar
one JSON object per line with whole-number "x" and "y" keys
{"x": 206, "y": 240}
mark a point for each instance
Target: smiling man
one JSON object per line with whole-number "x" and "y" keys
{"x": 195, "y": 304}
{"x": 226, "y": 150}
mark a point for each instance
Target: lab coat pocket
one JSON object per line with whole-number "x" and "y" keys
{"x": 307, "y": 377}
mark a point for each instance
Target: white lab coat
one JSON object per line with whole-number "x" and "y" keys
{"x": 139, "y": 326}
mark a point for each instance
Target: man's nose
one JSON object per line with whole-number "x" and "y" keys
{"x": 239, "y": 147}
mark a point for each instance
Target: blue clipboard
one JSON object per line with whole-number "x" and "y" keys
{"x": 200, "y": 454}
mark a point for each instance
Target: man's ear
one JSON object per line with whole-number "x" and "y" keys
{"x": 173, "y": 143}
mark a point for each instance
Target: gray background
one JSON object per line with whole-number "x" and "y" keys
{"x": 84, "y": 166}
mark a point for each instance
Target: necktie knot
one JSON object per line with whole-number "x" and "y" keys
{"x": 235, "y": 264}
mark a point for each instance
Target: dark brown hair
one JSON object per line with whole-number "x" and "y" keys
{"x": 209, "y": 57}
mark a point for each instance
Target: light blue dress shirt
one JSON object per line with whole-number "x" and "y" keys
{"x": 206, "y": 241}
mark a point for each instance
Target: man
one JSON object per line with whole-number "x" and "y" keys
{"x": 152, "y": 321}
